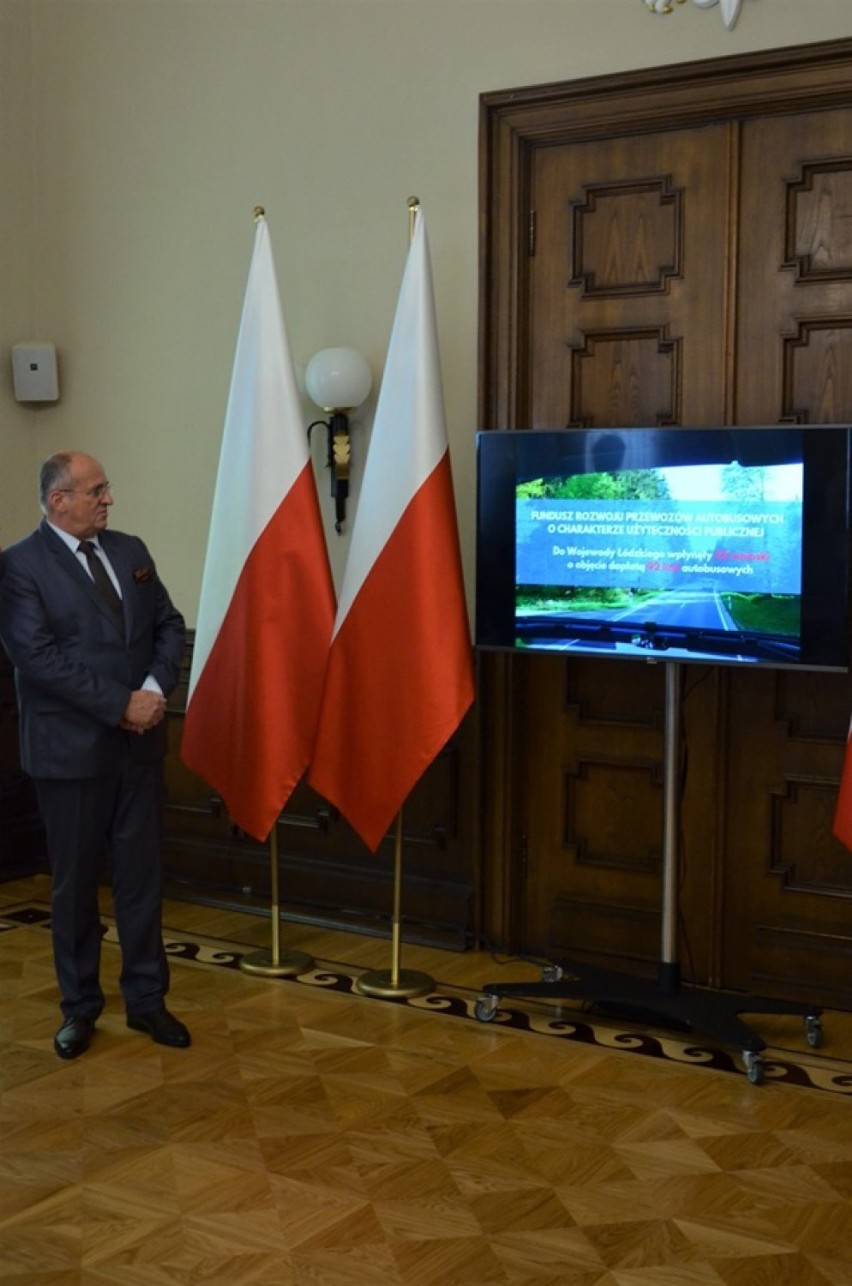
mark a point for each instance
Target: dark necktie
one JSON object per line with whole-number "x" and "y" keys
{"x": 100, "y": 576}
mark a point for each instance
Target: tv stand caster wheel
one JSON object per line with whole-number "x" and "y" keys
{"x": 485, "y": 1008}
{"x": 813, "y": 1030}
{"x": 755, "y": 1070}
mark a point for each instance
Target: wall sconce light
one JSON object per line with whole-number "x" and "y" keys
{"x": 338, "y": 380}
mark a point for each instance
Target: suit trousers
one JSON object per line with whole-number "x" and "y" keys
{"x": 112, "y": 822}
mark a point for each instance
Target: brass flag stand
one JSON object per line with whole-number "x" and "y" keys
{"x": 390, "y": 983}
{"x": 274, "y": 963}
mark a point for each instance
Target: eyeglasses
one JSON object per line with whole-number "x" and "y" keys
{"x": 94, "y": 493}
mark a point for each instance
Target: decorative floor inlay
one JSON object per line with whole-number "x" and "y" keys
{"x": 810, "y": 1070}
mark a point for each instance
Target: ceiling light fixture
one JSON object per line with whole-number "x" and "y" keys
{"x": 730, "y": 8}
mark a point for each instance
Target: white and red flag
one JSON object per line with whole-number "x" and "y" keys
{"x": 267, "y": 599}
{"x": 843, "y": 808}
{"x": 400, "y": 671}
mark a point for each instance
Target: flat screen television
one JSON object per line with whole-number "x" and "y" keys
{"x": 727, "y": 545}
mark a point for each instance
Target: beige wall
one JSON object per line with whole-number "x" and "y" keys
{"x": 136, "y": 136}
{"x": 18, "y": 289}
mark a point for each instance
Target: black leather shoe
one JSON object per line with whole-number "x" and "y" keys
{"x": 162, "y": 1027}
{"x": 73, "y": 1037}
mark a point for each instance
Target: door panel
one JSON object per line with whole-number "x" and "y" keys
{"x": 788, "y": 895}
{"x": 787, "y": 881}
{"x": 627, "y": 280}
{"x": 627, "y": 325}
{"x": 794, "y": 346}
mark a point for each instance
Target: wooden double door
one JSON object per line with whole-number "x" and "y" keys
{"x": 670, "y": 247}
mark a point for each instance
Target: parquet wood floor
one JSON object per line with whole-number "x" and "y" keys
{"x": 320, "y": 1139}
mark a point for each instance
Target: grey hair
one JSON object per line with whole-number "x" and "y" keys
{"x": 55, "y": 472}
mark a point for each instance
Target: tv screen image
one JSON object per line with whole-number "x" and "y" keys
{"x": 721, "y": 545}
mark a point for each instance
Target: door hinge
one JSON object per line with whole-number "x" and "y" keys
{"x": 531, "y": 234}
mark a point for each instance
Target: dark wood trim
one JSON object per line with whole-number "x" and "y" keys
{"x": 793, "y": 79}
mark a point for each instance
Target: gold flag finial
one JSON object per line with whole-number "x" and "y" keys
{"x": 259, "y": 212}
{"x": 413, "y": 207}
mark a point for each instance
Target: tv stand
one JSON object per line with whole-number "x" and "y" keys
{"x": 664, "y": 1001}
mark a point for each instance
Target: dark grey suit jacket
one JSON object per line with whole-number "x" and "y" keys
{"x": 74, "y": 667}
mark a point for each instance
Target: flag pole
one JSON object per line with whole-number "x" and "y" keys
{"x": 274, "y": 964}
{"x": 271, "y": 964}
{"x": 264, "y": 487}
{"x": 386, "y": 983}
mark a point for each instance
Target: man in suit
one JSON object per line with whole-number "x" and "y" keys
{"x": 96, "y": 644}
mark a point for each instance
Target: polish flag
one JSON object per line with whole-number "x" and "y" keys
{"x": 267, "y": 600}
{"x": 843, "y": 809}
{"x": 400, "y": 671}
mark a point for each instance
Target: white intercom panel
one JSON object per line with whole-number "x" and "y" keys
{"x": 34, "y": 372}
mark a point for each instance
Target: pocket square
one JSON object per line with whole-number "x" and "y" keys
{"x": 141, "y": 574}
